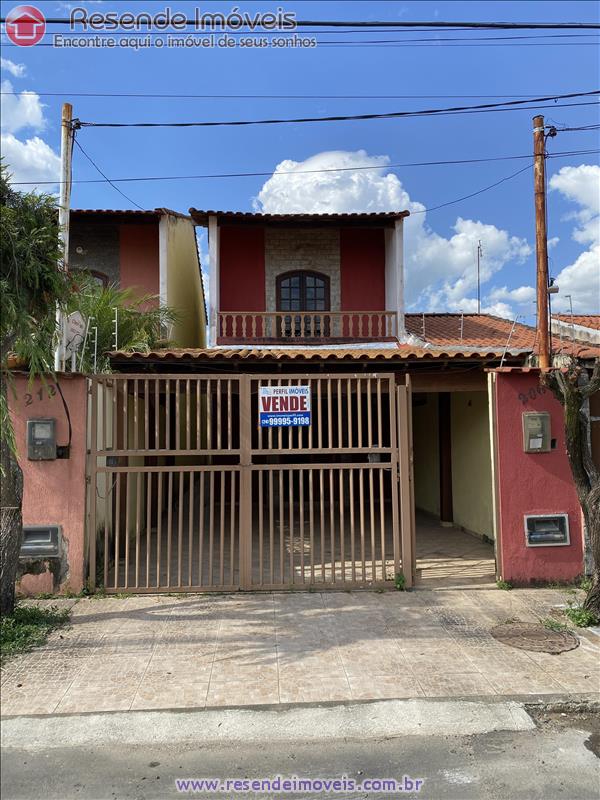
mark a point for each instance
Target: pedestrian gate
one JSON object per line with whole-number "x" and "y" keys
{"x": 188, "y": 493}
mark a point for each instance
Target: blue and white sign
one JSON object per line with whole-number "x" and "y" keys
{"x": 283, "y": 406}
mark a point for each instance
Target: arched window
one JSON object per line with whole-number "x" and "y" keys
{"x": 303, "y": 291}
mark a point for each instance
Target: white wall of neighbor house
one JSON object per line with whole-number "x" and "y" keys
{"x": 394, "y": 272}
{"x": 184, "y": 283}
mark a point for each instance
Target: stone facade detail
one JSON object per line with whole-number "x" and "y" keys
{"x": 294, "y": 249}
{"x": 99, "y": 246}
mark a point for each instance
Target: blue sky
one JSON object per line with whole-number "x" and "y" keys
{"x": 441, "y": 244}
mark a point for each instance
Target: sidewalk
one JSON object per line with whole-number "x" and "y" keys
{"x": 160, "y": 652}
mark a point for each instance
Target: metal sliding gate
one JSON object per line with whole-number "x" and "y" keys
{"x": 188, "y": 493}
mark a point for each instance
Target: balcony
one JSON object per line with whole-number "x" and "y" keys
{"x": 306, "y": 327}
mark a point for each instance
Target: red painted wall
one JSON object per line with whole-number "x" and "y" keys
{"x": 533, "y": 483}
{"x": 54, "y": 491}
{"x": 242, "y": 273}
{"x": 139, "y": 258}
{"x": 362, "y": 264}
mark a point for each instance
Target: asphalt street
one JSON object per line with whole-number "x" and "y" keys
{"x": 553, "y": 760}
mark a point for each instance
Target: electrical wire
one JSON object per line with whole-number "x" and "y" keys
{"x": 269, "y": 173}
{"x": 107, "y": 179}
{"x": 275, "y": 96}
{"x": 480, "y": 108}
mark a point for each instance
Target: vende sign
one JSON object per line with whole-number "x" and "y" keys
{"x": 283, "y": 406}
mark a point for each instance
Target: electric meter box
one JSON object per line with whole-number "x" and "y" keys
{"x": 546, "y": 530}
{"x": 536, "y": 432}
{"x": 41, "y": 439}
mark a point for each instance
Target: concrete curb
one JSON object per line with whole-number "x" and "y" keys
{"x": 382, "y": 719}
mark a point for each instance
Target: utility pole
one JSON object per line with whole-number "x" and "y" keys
{"x": 64, "y": 203}
{"x": 541, "y": 241}
{"x": 479, "y": 256}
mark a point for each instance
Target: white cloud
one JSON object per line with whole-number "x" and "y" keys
{"x": 440, "y": 272}
{"x": 32, "y": 160}
{"x": 581, "y": 185}
{"x": 16, "y": 70}
{"x": 21, "y": 111}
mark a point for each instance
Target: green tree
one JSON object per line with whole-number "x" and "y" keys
{"x": 141, "y": 322}
{"x": 573, "y": 385}
{"x": 31, "y": 287}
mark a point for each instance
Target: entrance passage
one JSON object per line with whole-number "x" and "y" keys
{"x": 189, "y": 493}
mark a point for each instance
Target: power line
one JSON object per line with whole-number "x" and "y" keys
{"x": 106, "y": 178}
{"x": 398, "y": 25}
{"x": 268, "y": 173}
{"x": 275, "y": 96}
{"x": 339, "y": 118}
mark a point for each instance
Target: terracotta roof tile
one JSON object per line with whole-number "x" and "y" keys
{"x": 470, "y": 330}
{"x": 585, "y": 320}
{"x": 200, "y": 217}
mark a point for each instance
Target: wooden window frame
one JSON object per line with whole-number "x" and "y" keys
{"x": 304, "y": 273}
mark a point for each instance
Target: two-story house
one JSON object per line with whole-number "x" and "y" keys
{"x": 324, "y": 438}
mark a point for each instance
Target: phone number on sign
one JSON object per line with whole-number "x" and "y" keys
{"x": 272, "y": 422}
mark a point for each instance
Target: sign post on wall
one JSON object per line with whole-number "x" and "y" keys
{"x": 283, "y": 406}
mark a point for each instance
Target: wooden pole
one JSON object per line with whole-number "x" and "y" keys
{"x": 66, "y": 154}
{"x": 541, "y": 241}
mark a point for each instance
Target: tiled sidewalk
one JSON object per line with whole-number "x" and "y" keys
{"x": 196, "y": 651}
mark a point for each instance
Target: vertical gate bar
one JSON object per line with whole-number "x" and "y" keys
{"x": 245, "y": 482}
{"x": 136, "y": 414}
{"x": 259, "y": 477}
{"x": 359, "y": 410}
{"x": 290, "y": 474}
{"x": 232, "y": 529}
{"x": 300, "y": 427}
{"x": 115, "y": 429}
{"x": 219, "y": 400}
{"x": 379, "y": 416}
{"x": 281, "y": 536}
{"x": 301, "y": 523}
{"x": 159, "y": 505}
{"x": 319, "y": 416}
{"x": 188, "y": 410}
{"x": 329, "y": 414}
{"x": 167, "y": 414}
{"x": 311, "y": 529}
{"x": 211, "y": 527}
{"x": 127, "y": 505}
{"x": 361, "y": 497}
{"x": 369, "y": 415}
{"x": 372, "y": 521}
{"x": 93, "y": 487}
{"x": 180, "y": 481}
{"x": 104, "y": 434}
{"x": 125, "y": 414}
{"x": 139, "y": 482}
{"x": 201, "y": 514}
{"x": 349, "y": 410}
{"x": 280, "y": 430}
{"x": 107, "y": 504}
{"x": 169, "y": 527}
{"x": 332, "y": 522}
{"x": 148, "y": 527}
{"x": 405, "y": 488}
{"x": 191, "y": 525}
{"x": 322, "y": 520}
{"x": 352, "y": 548}
{"x": 271, "y": 531}
{"x": 342, "y": 530}
{"x": 117, "y": 529}
{"x": 198, "y": 433}
{"x": 177, "y": 445}
{"x": 382, "y": 523}
{"x": 223, "y": 475}
{"x": 411, "y": 477}
{"x": 157, "y": 413}
{"x": 229, "y": 416}
{"x": 339, "y": 410}
{"x": 146, "y": 415}
{"x": 208, "y": 415}
{"x": 270, "y": 431}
